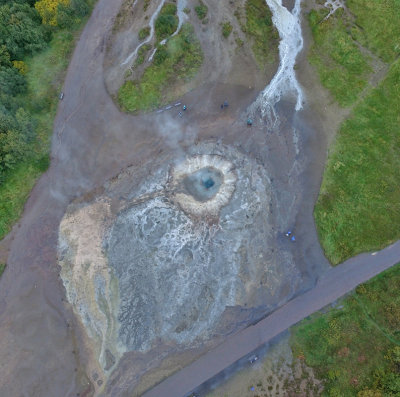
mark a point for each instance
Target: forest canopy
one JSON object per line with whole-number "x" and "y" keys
{"x": 26, "y": 28}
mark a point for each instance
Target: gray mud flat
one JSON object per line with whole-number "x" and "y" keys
{"x": 47, "y": 348}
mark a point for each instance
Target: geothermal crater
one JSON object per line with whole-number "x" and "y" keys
{"x": 202, "y": 185}
{"x": 142, "y": 263}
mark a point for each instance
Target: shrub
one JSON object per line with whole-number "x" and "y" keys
{"x": 141, "y": 54}
{"x": 226, "y": 29}
{"x": 201, "y": 10}
{"x": 161, "y": 55}
{"x": 167, "y": 22}
{"x": 143, "y": 33}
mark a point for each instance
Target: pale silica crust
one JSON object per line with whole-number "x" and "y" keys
{"x": 202, "y": 185}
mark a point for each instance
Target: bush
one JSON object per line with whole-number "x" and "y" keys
{"x": 65, "y": 16}
{"x": 167, "y": 22}
{"x": 161, "y": 55}
{"x": 226, "y": 29}
{"x": 165, "y": 26}
{"x": 80, "y": 7}
{"x": 201, "y": 10}
{"x": 168, "y": 9}
{"x": 143, "y": 50}
{"x": 143, "y": 33}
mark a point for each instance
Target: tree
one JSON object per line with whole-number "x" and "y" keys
{"x": 16, "y": 135}
{"x": 48, "y": 10}
{"x": 20, "y": 66}
{"x": 80, "y": 7}
{"x": 21, "y": 31}
{"x": 5, "y": 59}
{"x": 11, "y": 81}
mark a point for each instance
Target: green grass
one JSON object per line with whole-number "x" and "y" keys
{"x": 356, "y": 347}
{"x": 226, "y": 29}
{"x": 179, "y": 60}
{"x": 260, "y": 29}
{"x": 2, "y": 268}
{"x": 167, "y": 22}
{"x": 143, "y": 33}
{"x": 342, "y": 68}
{"x": 15, "y": 191}
{"x": 358, "y": 208}
{"x": 46, "y": 72}
{"x": 201, "y": 10}
{"x": 143, "y": 51}
{"x": 359, "y": 204}
{"x": 378, "y": 26}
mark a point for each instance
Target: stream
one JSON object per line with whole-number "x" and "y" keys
{"x": 152, "y": 30}
{"x": 284, "y": 82}
{"x": 181, "y": 4}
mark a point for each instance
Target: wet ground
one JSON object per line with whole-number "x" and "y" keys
{"x": 44, "y": 351}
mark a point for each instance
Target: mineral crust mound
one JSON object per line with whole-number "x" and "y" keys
{"x": 164, "y": 250}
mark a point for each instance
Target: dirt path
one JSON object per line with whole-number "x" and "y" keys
{"x": 335, "y": 283}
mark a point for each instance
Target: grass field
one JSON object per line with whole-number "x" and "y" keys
{"x": 46, "y": 72}
{"x": 359, "y": 204}
{"x": 340, "y": 64}
{"x": 355, "y": 347}
{"x": 179, "y": 59}
{"x": 358, "y": 208}
{"x": 377, "y": 26}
